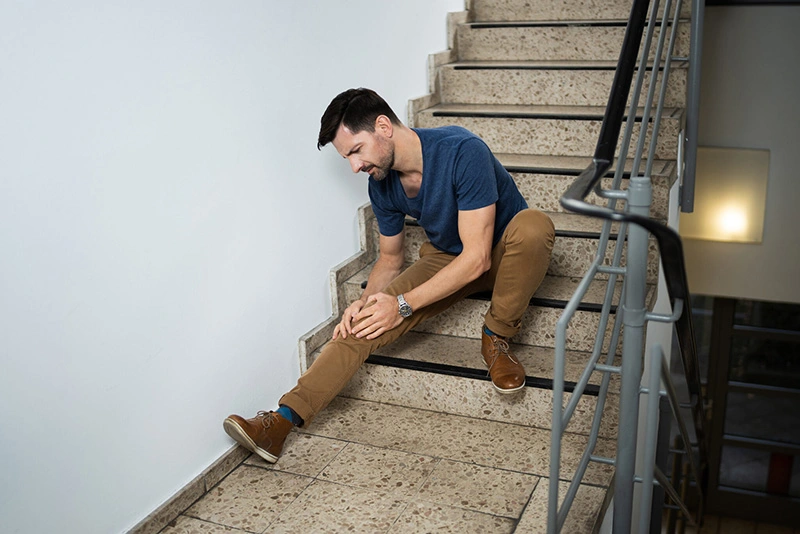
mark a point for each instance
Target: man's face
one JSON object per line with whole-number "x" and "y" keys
{"x": 370, "y": 152}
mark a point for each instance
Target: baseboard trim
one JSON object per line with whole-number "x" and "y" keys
{"x": 191, "y": 492}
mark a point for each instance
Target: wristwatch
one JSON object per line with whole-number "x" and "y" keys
{"x": 404, "y": 308}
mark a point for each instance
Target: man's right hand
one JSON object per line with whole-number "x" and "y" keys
{"x": 345, "y": 326}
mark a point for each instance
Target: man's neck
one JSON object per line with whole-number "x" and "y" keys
{"x": 407, "y": 153}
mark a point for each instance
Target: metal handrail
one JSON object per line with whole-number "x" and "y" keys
{"x": 668, "y": 241}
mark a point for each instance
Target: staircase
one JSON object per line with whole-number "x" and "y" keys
{"x": 419, "y": 441}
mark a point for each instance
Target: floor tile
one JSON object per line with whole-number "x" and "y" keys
{"x": 190, "y": 525}
{"x": 763, "y": 528}
{"x": 478, "y": 488}
{"x": 398, "y": 473}
{"x": 489, "y": 443}
{"x": 582, "y": 516}
{"x": 303, "y": 454}
{"x": 249, "y": 498}
{"x": 325, "y": 507}
{"x": 428, "y": 517}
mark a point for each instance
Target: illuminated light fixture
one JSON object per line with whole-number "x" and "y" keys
{"x": 730, "y": 195}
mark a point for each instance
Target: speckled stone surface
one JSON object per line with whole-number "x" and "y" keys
{"x": 250, "y": 498}
{"x": 304, "y": 454}
{"x": 400, "y": 474}
{"x": 474, "y": 398}
{"x": 583, "y": 512}
{"x": 190, "y": 525}
{"x": 556, "y": 42}
{"x": 520, "y": 10}
{"x": 479, "y": 488}
{"x": 558, "y": 136}
{"x": 518, "y": 83}
{"x": 331, "y": 508}
{"x": 447, "y": 436}
{"x": 429, "y": 517}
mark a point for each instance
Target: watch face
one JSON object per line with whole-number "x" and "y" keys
{"x": 405, "y": 310}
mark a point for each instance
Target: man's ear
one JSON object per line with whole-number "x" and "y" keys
{"x": 384, "y": 125}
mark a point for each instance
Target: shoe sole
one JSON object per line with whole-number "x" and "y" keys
{"x": 508, "y": 391}
{"x": 233, "y": 429}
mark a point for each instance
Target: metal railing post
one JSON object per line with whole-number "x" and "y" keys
{"x": 634, "y": 312}
{"x": 692, "y": 106}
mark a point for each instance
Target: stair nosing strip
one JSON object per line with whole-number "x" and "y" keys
{"x": 592, "y": 390}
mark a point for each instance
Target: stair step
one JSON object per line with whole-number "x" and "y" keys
{"x": 543, "y": 82}
{"x": 434, "y": 433}
{"x": 529, "y": 10}
{"x": 577, "y": 239}
{"x": 542, "y": 180}
{"x": 551, "y": 40}
{"x": 555, "y": 130}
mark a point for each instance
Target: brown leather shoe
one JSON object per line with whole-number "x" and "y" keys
{"x": 264, "y": 434}
{"x": 508, "y": 375}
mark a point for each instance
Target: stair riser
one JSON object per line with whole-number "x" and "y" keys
{"x": 552, "y": 42}
{"x": 559, "y": 137}
{"x": 522, "y": 10}
{"x": 543, "y": 191}
{"x": 571, "y": 256}
{"x": 544, "y": 87}
{"x": 473, "y": 398}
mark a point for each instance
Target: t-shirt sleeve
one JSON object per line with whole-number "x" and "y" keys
{"x": 390, "y": 221}
{"x": 475, "y": 183}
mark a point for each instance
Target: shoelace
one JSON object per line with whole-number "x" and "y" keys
{"x": 267, "y": 418}
{"x": 502, "y": 347}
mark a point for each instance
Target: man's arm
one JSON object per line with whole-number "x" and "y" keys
{"x": 389, "y": 264}
{"x": 476, "y": 229}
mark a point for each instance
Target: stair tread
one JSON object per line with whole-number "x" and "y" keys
{"x": 557, "y": 23}
{"x": 522, "y": 111}
{"x": 555, "y": 64}
{"x": 466, "y": 353}
{"x": 572, "y": 164}
{"x": 557, "y": 288}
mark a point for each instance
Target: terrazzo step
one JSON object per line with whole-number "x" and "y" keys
{"x": 530, "y": 10}
{"x": 577, "y": 239}
{"x": 542, "y": 180}
{"x": 447, "y": 373}
{"x": 552, "y": 130}
{"x": 553, "y": 83}
{"x": 466, "y": 318}
{"x": 552, "y": 40}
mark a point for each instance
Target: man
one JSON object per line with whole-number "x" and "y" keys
{"x": 482, "y": 237}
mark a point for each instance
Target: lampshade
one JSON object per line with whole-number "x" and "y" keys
{"x": 730, "y": 195}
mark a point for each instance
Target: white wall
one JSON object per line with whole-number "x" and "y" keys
{"x": 750, "y": 89}
{"x": 167, "y": 227}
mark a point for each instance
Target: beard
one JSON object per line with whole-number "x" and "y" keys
{"x": 381, "y": 169}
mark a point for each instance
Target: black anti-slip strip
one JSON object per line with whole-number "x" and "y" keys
{"x": 543, "y": 67}
{"x": 521, "y": 115}
{"x": 466, "y": 372}
{"x": 549, "y": 24}
{"x": 559, "y": 233}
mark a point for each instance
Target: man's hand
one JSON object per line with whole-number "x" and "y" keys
{"x": 380, "y": 314}
{"x": 345, "y": 326}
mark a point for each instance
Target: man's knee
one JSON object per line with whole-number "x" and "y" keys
{"x": 533, "y": 227}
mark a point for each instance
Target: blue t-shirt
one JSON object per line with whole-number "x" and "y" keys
{"x": 459, "y": 172}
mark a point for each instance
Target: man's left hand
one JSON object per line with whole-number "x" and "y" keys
{"x": 379, "y": 315}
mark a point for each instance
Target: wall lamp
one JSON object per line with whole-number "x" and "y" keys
{"x": 730, "y": 196}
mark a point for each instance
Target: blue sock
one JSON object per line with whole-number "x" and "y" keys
{"x": 489, "y": 332}
{"x": 290, "y": 415}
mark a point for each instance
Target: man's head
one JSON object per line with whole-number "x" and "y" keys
{"x": 360, "y": 124}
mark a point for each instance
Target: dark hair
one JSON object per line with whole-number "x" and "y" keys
{"x": 357, "y": 109}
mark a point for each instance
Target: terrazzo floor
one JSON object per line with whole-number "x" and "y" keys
{"x": 369, "y": 467}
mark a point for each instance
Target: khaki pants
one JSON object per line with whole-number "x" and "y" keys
{"x": 519, "y": 263}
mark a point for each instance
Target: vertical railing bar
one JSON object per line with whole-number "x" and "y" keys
{"x": 653, "y": 399}
{"x": 692, "y": 105}
{"x": 673, "y": 403}
{"x": 664, "y": 81}
{"x": 673, "y": 494}
{"x": 651, "y": 91}
{"x": 634, "y": 95}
